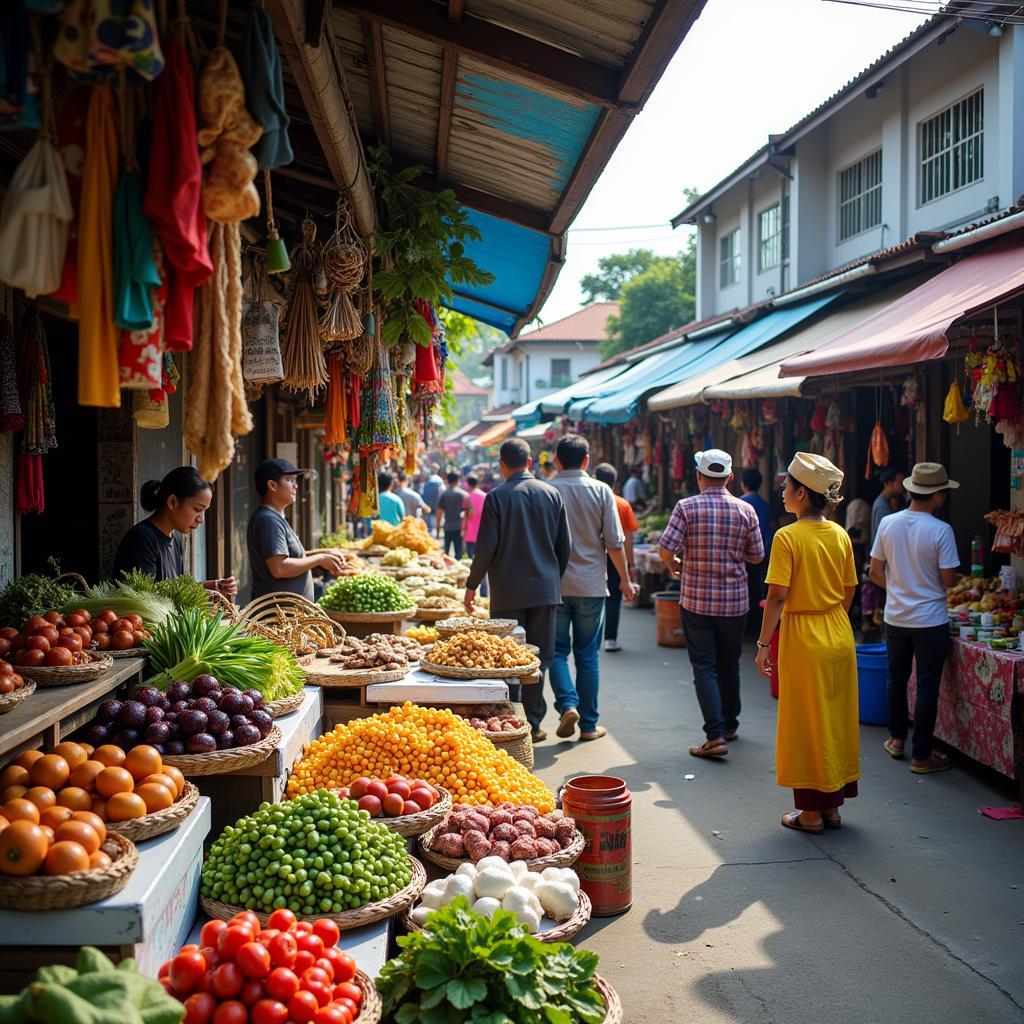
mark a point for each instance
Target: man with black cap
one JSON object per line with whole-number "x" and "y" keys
{"x": 279, "y": 561}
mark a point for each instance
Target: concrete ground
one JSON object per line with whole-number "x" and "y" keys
{"x": 913, "y": 911}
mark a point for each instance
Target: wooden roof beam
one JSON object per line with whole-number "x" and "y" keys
{"x": 497, "y": 46}
{"x": 455, "y": 10}
{"x": 445, "y": 108}
{"x": 373, "y": 44}
{"x": 317, "y": 73}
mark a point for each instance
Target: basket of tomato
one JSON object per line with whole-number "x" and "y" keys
{"x": 13, "y": 688}
{"x": 290, "y": 970}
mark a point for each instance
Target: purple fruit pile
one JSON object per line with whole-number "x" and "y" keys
{"x": 186, "y": 719}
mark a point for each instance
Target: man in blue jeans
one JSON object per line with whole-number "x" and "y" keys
{"x": 596, "y": 537}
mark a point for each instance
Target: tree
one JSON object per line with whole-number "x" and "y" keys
{"x": 650, "y": 304}
{"x": 613, "y": 272}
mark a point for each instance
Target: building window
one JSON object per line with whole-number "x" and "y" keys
{"x": 729, "y": 259}
{"x": 860, "y": 196}
{"x": 769, "y": 238}
{"x": 504, "y": 373}
{"x": 952, "y": 147}
{"x": 561, "y": 373}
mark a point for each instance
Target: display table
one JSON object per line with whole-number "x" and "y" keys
{"x": 650, "y": 572}
{"x": 426, "y": 688}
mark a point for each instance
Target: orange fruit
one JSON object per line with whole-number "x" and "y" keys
{"x": 114, "y": 780}
{"x": 27, "y": 758}
{"x": 21, "y": 810}
{"x": 74, "y": 753}
{"x": 15, "y": 775}
{"x": 157, "y": 797}
{"x": 13, "y": 793}
{"x": 75, "y": 798}
{"x": 84, "y": 776}
{"x": 124, "y": 806}
{"x": 23, "y": 847}
{"x": 49, "y": 833}
{"x": 99, "y": 807}
{"x": 66, "y": 857}
{"x": 162, "y": 779}
{"x": 92, "y": 819}
{"x": 88, "y": 748}
{"x": 79, "y": 832}
{"x": 54, "y": 817}
{"x": 99, "y": 859}
{"x": 50, "y": 770}
{"x": 109, "y": 755}
{"x": 42, "y": 797}
{"x": 142, "y": 761}
{"x": 174, "y": 773}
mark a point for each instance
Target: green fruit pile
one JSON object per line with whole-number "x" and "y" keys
{"x": 370, "y": 592}
{"x": 317, "y": 854}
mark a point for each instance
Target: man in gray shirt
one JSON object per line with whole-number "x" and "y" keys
{"x": 596, "y": 537}
{"x": 278, "y": 560}
{"x": 415, "y": 506}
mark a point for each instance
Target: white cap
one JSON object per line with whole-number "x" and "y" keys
{"x": 713, "y": 463}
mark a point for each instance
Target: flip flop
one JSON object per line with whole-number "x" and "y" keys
{"x": 896, "y": 753}
{"x": 589, "y": 737}
{"x": 730, "y": 736}
{"x": 832, "y": 823}
{"x": 709, "y": 748}
{"x": 567, "y": 723}
{"x": 792, "y": 820}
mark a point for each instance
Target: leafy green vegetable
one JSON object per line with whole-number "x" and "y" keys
{"x": 31, "y": 595}
{"x": 368, "y": 592}
{"x": 468, "y": 967}
{"x": 186, "y": 592}
{"x": 194, "y": 643}
{"x": 122, "y": 599}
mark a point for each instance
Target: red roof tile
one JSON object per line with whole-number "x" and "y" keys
{"x": 462, "y": 385}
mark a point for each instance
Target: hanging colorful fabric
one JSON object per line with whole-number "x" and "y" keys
{"x": 29, "y": 493}
{"x": 97, "y": 37}
{"x": 19, "y": 84}
{"x": 878, "y": 450}
{"x": 260, "y": 66}
{"x": 11, "y": 415}
{"x": 261, "y": 346}
{"x": 334, "y": 406}
{"x": 151, "y": 410}
{"x": 135, "y": 273}
{"x": 140, "y": 357}
{"x": 954, "y": 410}
{"x": 34, "y": 383}
{"x": 70, "y": 117}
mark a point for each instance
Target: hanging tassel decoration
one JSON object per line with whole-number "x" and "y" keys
{"x": 344, "y": 263}
{"x": 302, "y": 350}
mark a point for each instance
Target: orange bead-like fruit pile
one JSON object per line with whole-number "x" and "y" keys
{"x": 424, "y": 743}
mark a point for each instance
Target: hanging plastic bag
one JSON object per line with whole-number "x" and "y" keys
{"x": 261, "y": 344}
{"x": 149, "y": 413}
{"x": 878, "y": 450}
{"x": 954, "y": 410}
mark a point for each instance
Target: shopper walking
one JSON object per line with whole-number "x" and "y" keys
{"x": 811, "y": 582}
{"x": 523, "y": 548}
{"x": 890, "y": 500}
{"x": 710, "y": 538}
{"x": 635, "y": 490}
{"x": 751, "y": 481}
{"x": 608, "y": 474}
{"x": 914, "y": 558}
{"x": 596, "y": 537}
{"x": 431, "y": 493}
{"x": 475, "y": 499}
{"x": 451, "y": 507}
{"x": 390, "y": 505}
{"x": 414, "y": 505}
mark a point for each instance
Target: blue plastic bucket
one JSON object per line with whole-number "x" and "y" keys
{"x": 872, "y": 677}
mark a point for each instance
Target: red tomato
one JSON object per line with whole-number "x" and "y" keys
{"x": 332, "y": 1014}
{"x": 302, "y": 1006}
{"x": 303, "y": 961}
{"x": 254, "y": 960}
{"x": 315, "y": 975}
{"x": 352, "y": 1007}
{"x": 313, "y": 943}
{"x": 344, "y": 968}
{"x": 228, "y": 980}
{"x": 206, "y": 985}
{"x": 165, "y": 969}
{"x": 269, "y": 1011}
{"x": 348, "y": 990}
{"x": 166, "y": 983}
{"x": 328, "y": 931}
{"x": 211, "y": 956}
{"x": 325, "y": 965}
{"x": 282, "y": 984}
{"x": 321, "y": 989}
{"x": 282, "y": 919}
{"x": 231, "y": 1012}
{"x": 252, "y": 991}
{"x": 199, "y": 1008}
{"x": 247, "y": 917}
{"x": 209, "y": 932}
{"x": 283, "y": 950}
{"x": 186, "y": 971}
{"x": 266, "y": 936}
{"x": 232, "y": 939}
{"x": 302, "y": 928}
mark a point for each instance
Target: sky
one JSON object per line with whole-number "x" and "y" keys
{"x": 746, "y": 69}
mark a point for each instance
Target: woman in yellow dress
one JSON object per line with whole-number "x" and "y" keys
{"x": 811, "y": 582}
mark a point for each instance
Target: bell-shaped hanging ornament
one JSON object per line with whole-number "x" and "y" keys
{"x": 370, "y": 324}
{"x": 277, "y": 253}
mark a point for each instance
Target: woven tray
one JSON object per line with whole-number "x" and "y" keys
{"x": 520, "y": 748}
{"x": 348, "y": 919}
{"x": 372, "y": 1007}
{"x": 54, "y": 675}
{"x": 417, "y": 824}
{"x": 132, "y": 652}
{"x": 159, "y": 822}
{"x": 224, "y": 762}
{"x": 453, "y": 672}
{"x": 344, "y": 617}
{"x": 612, "y": 1004}
{"x": 11, "y": 700}
{"x": 563, "y": 859}
{"x": 435, "y": 614}
{"x": 466, "y": 624}
{"x": 560, "y": 931}
{"x": 218, "y": 603}
{"x": 285, "y": 705}
{"x": 332, "y": 674}
{"x": 62, "y": 892}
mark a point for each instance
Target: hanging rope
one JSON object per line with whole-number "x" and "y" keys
{"x": 302, "y": 351}
{"x": 344, "y": 261}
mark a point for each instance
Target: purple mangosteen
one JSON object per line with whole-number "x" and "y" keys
{"x": 225, "y": 740}
{"x": 192, "y": 722}
{"x": 132, "y": 715}
{"x": 200, "y": 743}
{"x": 246, "y": 734}
{"x": 148, "y": 695}
{"x": 178, "y": 691}
{"x": 263, "y": 721}
{"x": 164, "y": 704}
{"x": 97, "y": 734}
{"x": 158, "y": 732}
{"x": 109, "y": 710}
{"x": 237, "y": 721}
{"x": 154, "y": 714}
{"x": 180, "y": 705}
{"x": 127, "y": 738}
{"x": 232, "y": 703}
{"x": 172, "y": 748}
{"x": 247, "y": 704}
{"x": 217, "y": 722}
{"x": 204, "y": 704}
{"x": 204, "y": 684}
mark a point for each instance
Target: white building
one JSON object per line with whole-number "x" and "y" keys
{"x": 928, "y": 138}
{"x": 540, "y": 362}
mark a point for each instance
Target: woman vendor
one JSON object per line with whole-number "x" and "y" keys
{"x": 156, "y": 545}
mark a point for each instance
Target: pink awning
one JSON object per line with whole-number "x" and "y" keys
{"x": 914, "y": 328}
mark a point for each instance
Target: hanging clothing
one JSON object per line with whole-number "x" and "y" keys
{"x": 135, "y": 273}
{"x": 97, "y": 332}
{"x": 29, "y": 498}
{"x": 19, "y": 83}
{"x": 98, "y": 38}
{"x": 140, "y": 358}
{"x": 260, "y": 65}
{"x": 70, "y": 117}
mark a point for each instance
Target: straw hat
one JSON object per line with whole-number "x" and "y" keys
{"x": 928, "y": 478}
{"x": 815, "y": 472}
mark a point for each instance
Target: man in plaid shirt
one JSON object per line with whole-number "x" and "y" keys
{"x": 707, "y": 543}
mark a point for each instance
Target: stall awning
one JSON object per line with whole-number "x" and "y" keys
{"x": 496, "y": 433}
{"x": 757, "y": 375}
{"x": 685, "y": 366}
{"x": 528, "y": 414}
{"x": 535, "y": 432}
{"x": 914, "y": 328}
{"x": 588, "y": 386}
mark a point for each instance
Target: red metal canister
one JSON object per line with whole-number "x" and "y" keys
{"x": 601, "y": 805}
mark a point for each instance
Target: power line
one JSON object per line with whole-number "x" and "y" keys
{"x": 952, "y": 13}
{"x": 626, "y": 227}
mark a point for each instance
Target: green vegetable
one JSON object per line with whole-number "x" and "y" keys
{"x": 31, "y": 595}
{"x": 185, "y": 592}
{"x": 194, "y": 643}
{"x": 468, "y": 967}
{"x": 369, "y": 592}
{"x": 317, "y": 854}
{"x": 124, "y": 598}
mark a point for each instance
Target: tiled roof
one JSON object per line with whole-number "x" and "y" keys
{"x": 462, "y": 385}
{"x": 586, "y": 324}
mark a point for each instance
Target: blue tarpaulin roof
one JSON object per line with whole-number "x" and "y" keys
{"x": 694, "y": 358}
{"x": 558, "y": 401}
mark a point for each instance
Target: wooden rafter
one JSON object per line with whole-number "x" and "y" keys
{"x": 497, "y": 46}
{"x": 455, "y": 9}
{"x": 373, "y": 44}
{"x": 446, "y": 106}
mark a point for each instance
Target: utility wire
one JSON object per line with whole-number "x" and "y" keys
{"x": 953, "y": 13}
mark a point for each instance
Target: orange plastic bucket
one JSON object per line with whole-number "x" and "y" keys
{"x": 669, "y": 622}
{"x": 602, "y": 807}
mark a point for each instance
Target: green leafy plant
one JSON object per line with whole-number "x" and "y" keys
{"x": 470, "y": 968}
{"x": 422, "y": 241}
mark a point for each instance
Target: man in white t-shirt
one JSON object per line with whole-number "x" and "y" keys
{"x": 914, "y": 558}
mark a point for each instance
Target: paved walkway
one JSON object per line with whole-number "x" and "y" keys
{"x": 912, "y": 912}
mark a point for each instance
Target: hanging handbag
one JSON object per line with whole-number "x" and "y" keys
{"x": 261, "y": 345}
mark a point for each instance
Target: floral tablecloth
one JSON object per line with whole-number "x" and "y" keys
{"x": 980, "y": 706}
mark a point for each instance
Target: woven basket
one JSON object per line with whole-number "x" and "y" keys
{"x": 465, "y": 624}
{"x": 217, "y": 602}
{"x": 159, "y": 822}
{"x": 342, "y": 677}
{"x": 371, "y": 1008}
{"x": 291, "y": 621}
{"x": 457, "y": 672}
{"x": 132, "y": 652}
{"x": 381, "y": 617}
{"x": 67, "y": 675}
{"x": 417, "y": 824}
{"x": 612, "y": 1004}
{"x": 62, "y": 892}
{"x": 75, "y": 580}
{"x": 435, "y": 614}
{"x": 285, "y": 705}
{"x": 519, "y": 749}
{"x": 561, "y": 931}
{"x": 347, "y": 919}
{"x": 11, "y": 700}
{"x": 563, "y": 859}
{"x": 224, "y": 762}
